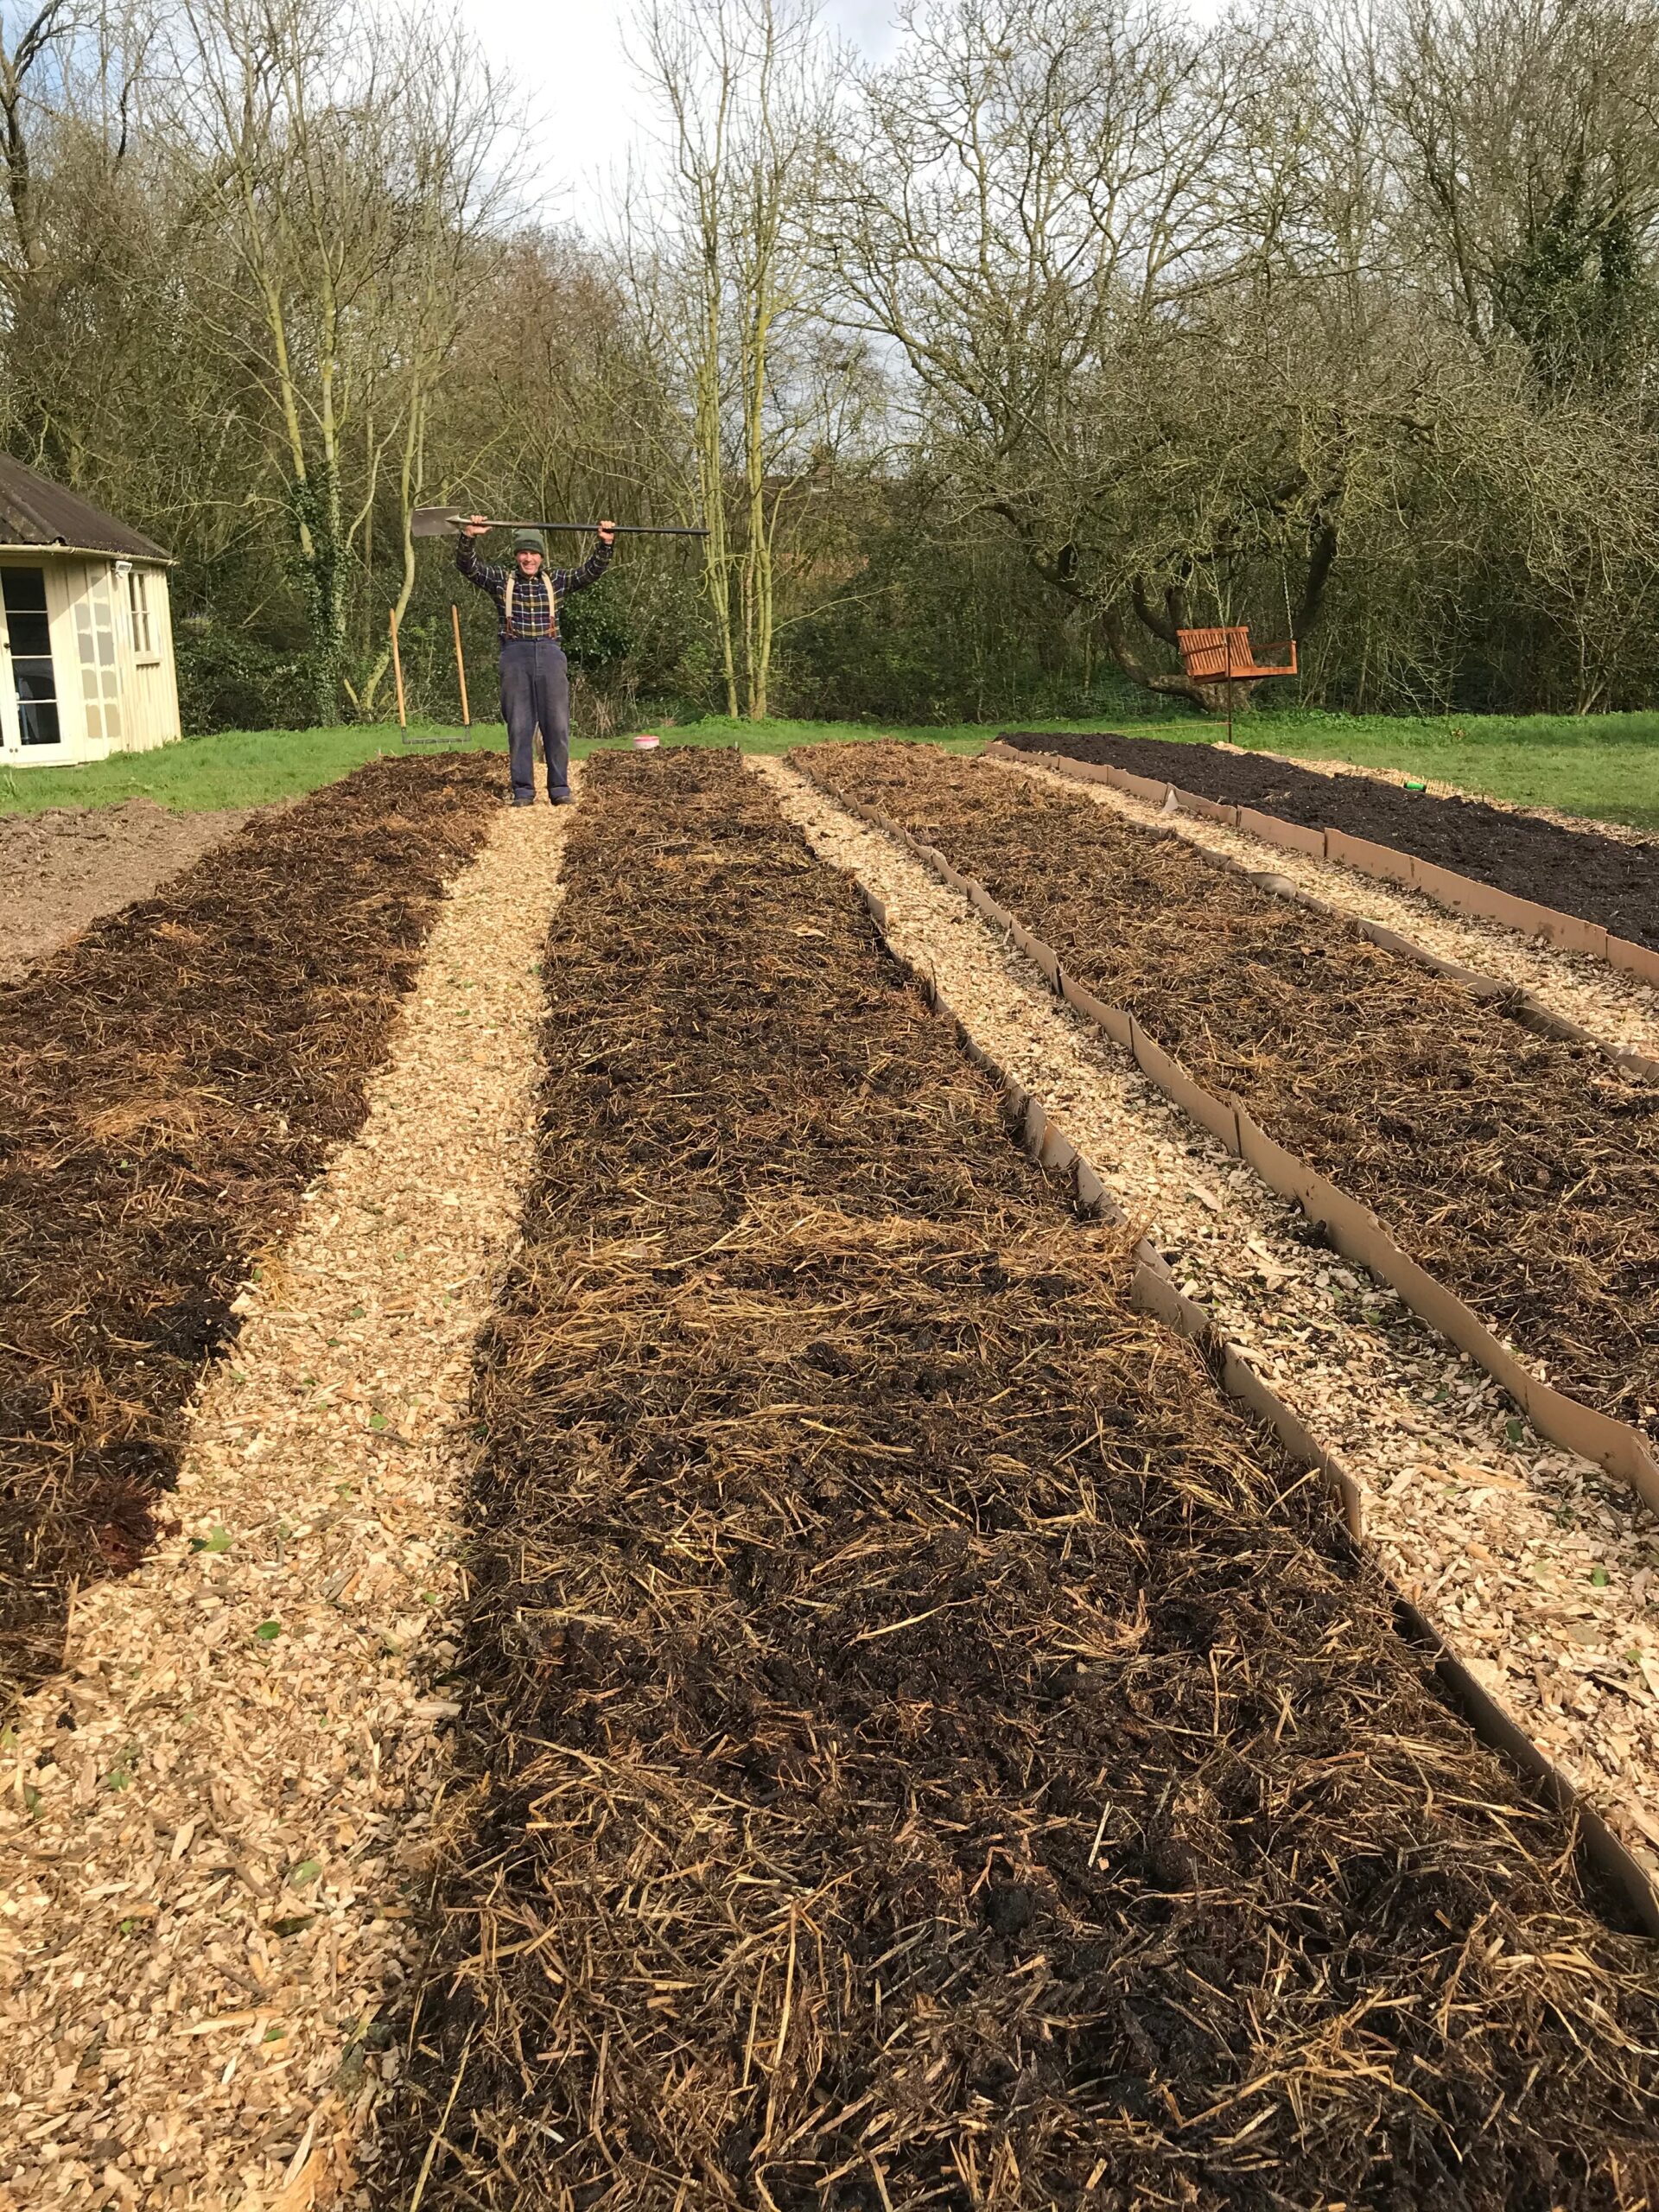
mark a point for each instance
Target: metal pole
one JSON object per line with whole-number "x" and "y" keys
{"x": 460, "y": 666}
{"x": 398, "y": 671}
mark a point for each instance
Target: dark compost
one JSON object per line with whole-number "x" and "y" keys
{"x": 917, "y": 1747}
{"x": 1518, "y": 1168}
{"x": 1605, "y": 879}
{"x": 169, "y": 1085}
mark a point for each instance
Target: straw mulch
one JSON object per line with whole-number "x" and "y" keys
{"x": 1600, "y": 871}
{"x": 911, "y": 1752}
{"x": 1518, "y": 1169}
{"x": 1608, "y": 1003}
{"x": 169, "y": 1085}
{"x": 1540, "y": 1567}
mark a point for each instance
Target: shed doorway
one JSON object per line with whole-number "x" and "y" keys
{"x": 29, "y": 702}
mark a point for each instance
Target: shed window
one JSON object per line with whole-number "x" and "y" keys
{"x": 144, "y": 633}
{"x": 100, "y": 679}
{"x": 28, "y": 634}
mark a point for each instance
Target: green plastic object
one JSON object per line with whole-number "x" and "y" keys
{"x": 1410, "y": 786}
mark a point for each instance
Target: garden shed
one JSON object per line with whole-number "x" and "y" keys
{"x": 87, "y": 638}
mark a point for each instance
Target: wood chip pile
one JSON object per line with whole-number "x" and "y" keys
{"x": 168, "y": 1085}
{"x": 1519, "y": 1170}
{"x": 912, "y": 1750}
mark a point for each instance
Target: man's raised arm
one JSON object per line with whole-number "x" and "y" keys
{"x": 486, "y": 576}
{"x": 566, "y": 581}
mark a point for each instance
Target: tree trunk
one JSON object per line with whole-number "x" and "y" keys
{"x": 317, "y": 503}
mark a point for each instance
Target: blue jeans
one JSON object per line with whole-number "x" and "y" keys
{"x": 536, "y": 695}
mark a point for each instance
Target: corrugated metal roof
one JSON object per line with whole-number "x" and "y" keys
{"x": 33, "y": 511}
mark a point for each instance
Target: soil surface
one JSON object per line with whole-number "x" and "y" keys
{"x": 1605, "y": 879}
{"x": 1538, "y": 1565}
{"x": 193, "y": 1960}
{"x": 913, "y": 1749}
{"x": 169, "y": 1083}
{"x": 1607, "y": 1002}
{"x": 65, "y": 868}
{"x": 1521, "y": 1171}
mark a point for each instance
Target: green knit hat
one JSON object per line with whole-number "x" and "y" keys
{"x": 529, "y": 541}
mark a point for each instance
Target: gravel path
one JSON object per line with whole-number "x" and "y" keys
{"x": 1540, "y": 1569}
{"x": 212, "y": 1821}
{"x": 1612, "y": 1006}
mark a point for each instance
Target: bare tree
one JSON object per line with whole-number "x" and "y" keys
{"x": 1523, "y": 137}
{"x": 695, "y": 62}
{"x": 31, "y": 48}
{"x": 347, "y": 160}
{"x": 745, "y": 84}
{"x": 1044, "y": 208}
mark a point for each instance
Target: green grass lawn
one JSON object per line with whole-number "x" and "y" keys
{"x": 243, "y": 767}
{"x": 1606, "y": 764}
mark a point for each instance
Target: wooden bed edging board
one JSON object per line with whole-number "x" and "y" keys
{"x": 1153, "y": 1290}
{"x": 1357, "y": 1233}
{"x": 1464, "y": 894}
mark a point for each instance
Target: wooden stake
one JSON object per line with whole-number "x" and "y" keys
{"x": 398, "y": 671}
{"x": 460, "y": 667}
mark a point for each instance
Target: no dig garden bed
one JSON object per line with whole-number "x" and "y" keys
{"x": 1612, "y": 882}
{"x": 1516, "y": 1169}
{"x": 920, "y": 1744}
{"x": 169, "y": 1083}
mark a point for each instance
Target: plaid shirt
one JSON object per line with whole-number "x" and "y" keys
{"x": 535, "y": 599}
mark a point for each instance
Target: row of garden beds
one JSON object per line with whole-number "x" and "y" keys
{"x": 1608, "y": 880}
{"x": 1518, "y": 1169}
{"x": 169, "y": 1085}
{"x": 918, "y": 1745}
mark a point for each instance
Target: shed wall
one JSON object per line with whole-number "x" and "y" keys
{"x": 150, "y": 681}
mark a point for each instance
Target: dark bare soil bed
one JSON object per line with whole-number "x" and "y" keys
{"x": 70, "y": 865}
{"x": 1521, "y": 1171}
{"x": 913, "y": 1752}
{"x": 1602, "y": 879}
{"x": 169, "y": 1085}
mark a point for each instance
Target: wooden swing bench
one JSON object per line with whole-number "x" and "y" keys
{"x": 1225, "y": 656}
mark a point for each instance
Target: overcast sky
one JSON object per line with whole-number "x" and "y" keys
{"x": 569, "y": 57}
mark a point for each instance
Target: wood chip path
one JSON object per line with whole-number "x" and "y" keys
{"x": 1543, "y": 1572}
{"x": 212, "y": 1823}
{"x": 1612, "y": 1006}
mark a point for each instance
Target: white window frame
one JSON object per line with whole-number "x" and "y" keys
{"x": 141, "y": 617}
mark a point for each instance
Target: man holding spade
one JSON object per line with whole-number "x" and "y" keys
{"x": 535, "y": 682}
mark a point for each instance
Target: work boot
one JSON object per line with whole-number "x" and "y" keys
{"x": 560, "y": 798}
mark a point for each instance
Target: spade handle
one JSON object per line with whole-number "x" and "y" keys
{"x": 434, "y": 522}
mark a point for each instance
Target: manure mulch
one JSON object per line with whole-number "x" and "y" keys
{"x": 169, "y": 1085}
{"x": 915, "y": 1751}
{"x": 1519, "y": 1169}
{"x": 1598, "y": 878}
